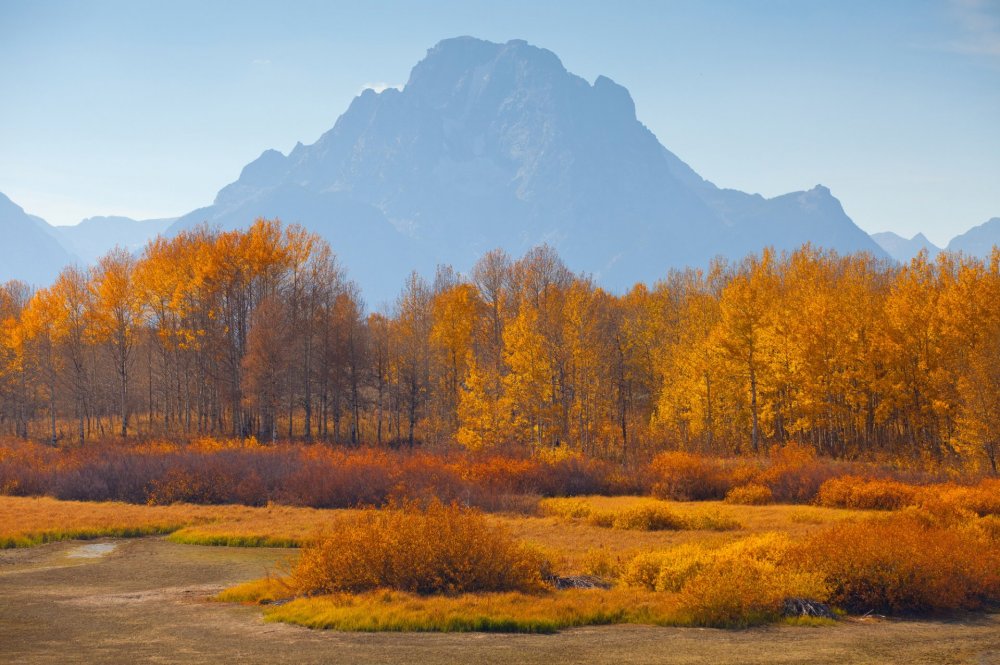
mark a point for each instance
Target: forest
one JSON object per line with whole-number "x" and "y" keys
{"x": 262, "y": 333}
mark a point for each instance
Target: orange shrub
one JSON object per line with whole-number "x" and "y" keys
{"x": 982, "y": 499}
{"x": 795, "y": 473}
{"x": 753, "y": 494}
{"x": 733, "y": 592}
{"x": 686, "y": 477}
{"x": 438, "y": 549}
{"x": 907, "y": 563}
{"x": 866, "y": 494}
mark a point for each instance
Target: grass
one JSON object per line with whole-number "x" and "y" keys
{"x": 489, "y": 612}
{"x": 694, "y": 575}
{"x": 572, "y": 540}
{"x": 27, "y": 522}
{"x": 640, "y": 514}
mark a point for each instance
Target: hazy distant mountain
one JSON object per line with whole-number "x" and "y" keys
{"x": 94, "y": 236}
{"x": 904, "y": 250}
{"x": 28, "y": 250}
{"x": 497, "y": 145}
{"x": 979, "y": 240}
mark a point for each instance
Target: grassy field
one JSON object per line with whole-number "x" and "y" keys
{"x": 668, "y": 563}
{"x": 145, "y": 602}
{"x": 32, "y": 521}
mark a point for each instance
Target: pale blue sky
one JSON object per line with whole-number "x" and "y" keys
{"x": 146, "y": 109}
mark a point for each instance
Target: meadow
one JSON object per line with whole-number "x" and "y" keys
{"x": 419, "y": 541}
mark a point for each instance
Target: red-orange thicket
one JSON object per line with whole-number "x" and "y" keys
{"x": 791, "y": 474}
{"x": 319, "y": 476}
{"x": 883, "y": 494}
{"x": 322, "y": 476}
{"x": 688, "y": 477}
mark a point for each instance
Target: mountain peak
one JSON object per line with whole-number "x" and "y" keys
{"x": 454, "y": 67}
{"x": 619, "y": 100}
{"x": 498, "y": 145}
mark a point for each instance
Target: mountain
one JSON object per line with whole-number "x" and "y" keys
{"x": 29, "y": 251}
{"x": 979, "y": 240}
{"x": 497, "y": 145}
{"x": 93, "y": 237}
{"x": 904, "y": 250}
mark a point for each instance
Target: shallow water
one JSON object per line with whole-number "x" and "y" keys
{"x": 92, "y": 551}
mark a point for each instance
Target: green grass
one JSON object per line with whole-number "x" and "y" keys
{"x": 89, "y": 533}
{"x": 390, "y": 611}
{"x": 194, "y": 536}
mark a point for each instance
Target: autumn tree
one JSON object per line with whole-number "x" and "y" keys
{"x": 116, "y": 316}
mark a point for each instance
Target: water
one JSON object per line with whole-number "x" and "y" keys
{"x": 92, "y": 551}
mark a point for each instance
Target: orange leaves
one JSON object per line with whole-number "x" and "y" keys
{"x": 905, "y": 564}
{"x": 437, "y": 549}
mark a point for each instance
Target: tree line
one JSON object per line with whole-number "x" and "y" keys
{"x": 260, "y": 332}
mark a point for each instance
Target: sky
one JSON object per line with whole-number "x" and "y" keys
{"x": 147, "y": 109}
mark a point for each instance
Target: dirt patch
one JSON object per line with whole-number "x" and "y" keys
{"x": 146, "y": 600}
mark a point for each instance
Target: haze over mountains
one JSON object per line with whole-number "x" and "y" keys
{"x": 490, "y": 145}
{"x": 902, "y": 249}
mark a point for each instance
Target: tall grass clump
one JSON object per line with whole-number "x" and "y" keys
{"x": 434, "y": 549}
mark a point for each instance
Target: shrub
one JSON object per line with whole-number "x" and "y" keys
{"x": 734, "y": 591}
{"x": 982, "y": 499}
{"x": 671, "y": 570}
{"x": 865, "y": 494}
{"x": 794, "y": 473}
{"x": 437, "y": 549}
{"x": 664, "y": 570}
{"x": 600, "y": 563}
{"x": 565, "y": 508}
{"x": 648, "y": 517}
{"x": 740, "y": 584}
{"x": 687, "y": 477}
{"x": 911, "y": 562}
{"x": 753, "y": 494}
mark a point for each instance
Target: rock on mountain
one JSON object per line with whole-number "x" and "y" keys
{"x": 29, "y": 251}
{"x": 497, "y": 145}
{"x": 979, "y": 240}
{"x": 904, "y": 250}
{"x": 95, "y": 236}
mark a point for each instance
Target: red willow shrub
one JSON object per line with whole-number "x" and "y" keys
{"x": 688, "y": 477}
{"x": 308, "y": 475}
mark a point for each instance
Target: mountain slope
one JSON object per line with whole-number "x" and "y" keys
{"x": 29, "y": 251}
{"x": 497, "y": 145}
{"x": 904, "y": 250}
{"x": 95, "y": 236}
{"x": 979, "y": 240}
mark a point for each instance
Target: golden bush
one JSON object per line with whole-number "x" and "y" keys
{"x": 911, "y": 562}
{"x": 752, "y": 494}
{"x": 437, "y": 549}
{"x": 648, "y": 517}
